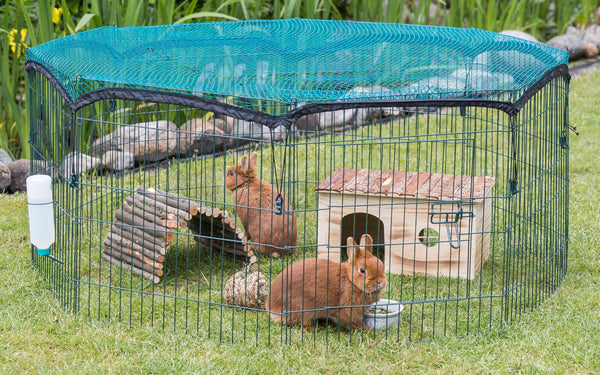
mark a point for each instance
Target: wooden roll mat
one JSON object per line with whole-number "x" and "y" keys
{"x": 144, "y": 228}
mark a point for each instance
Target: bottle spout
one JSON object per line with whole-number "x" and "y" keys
{"x": 44, "y": 252}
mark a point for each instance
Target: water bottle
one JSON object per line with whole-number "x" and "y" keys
{"x": 41, "y": 212}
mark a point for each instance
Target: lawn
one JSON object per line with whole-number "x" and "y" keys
{"x": 562, "y": 336}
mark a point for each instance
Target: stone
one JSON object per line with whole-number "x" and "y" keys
{"x": 512, "y": 59}
{"x": 592, "y": 35}
{"x": 250, "y": 130}
{"x": 437, "y": 86}
{"x": 5, "y": 178}
{"x": 279, "y": 133}
{"x": 586, "y": 49}
{"x": 308, "y": 123}
{"x": 572, "y": 30}
{"x": 5, "y": 157}
{"x": 482, "y": 82}
{"x": 78, "y": 163}
{"x": 220, "y": 121}
{"x": 223, "y": 124}
{"x": 336, "y": 119}
{"x": 19, "y": 171}
{"x": 591, "y": 50}
{"x": 360, "y": 114}
{"x": 350, "y": 116}
{"x": 117, "y": 160}
{"x": 573, "y": 43}
{"x": 374, "y": 93}
{"x": 199, "y": 136}
{"x": 507, "y": 60}
{"x": 520, "y": 34}
{"x": 244, "y": 131}
{"x": 148, "y": 141}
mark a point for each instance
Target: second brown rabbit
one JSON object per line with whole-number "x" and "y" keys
{"x": 326, "y": 289}
{"x": 255, "y": 202}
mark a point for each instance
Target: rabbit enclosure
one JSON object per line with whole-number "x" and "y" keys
{"x": 448, "y": 147}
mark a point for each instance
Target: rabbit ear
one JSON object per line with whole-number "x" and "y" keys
{"x": 351, "y": 249}
{"x": 244, "y": 163}
{"x": 253, "y": 159}
{"x": 366, "y": 241}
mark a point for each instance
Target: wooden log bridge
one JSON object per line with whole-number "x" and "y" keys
{"x": 145, "y": 226}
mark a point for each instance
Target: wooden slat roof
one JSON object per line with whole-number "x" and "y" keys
{"x": 424, "y": 185}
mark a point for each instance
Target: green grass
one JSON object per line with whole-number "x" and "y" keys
{"x": 562, "y": 336}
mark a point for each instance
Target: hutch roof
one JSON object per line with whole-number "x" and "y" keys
{"x": 424, "y": 185}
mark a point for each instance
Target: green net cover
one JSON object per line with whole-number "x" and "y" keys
{"x": 289, "y": 63}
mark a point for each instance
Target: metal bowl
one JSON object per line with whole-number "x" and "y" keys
{"x": 380, "y": 320}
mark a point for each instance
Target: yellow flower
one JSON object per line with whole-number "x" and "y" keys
{"x": 13, "y": 43}
{"x": 56, "y": 15}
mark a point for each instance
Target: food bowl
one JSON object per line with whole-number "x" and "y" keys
{"x": 383, "y": 313}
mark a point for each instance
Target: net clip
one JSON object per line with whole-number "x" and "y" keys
{"x": 448, "y": 218}
{"x": 514, "y": 186}
{"x": 74, "y": 181}
{"x": 279, "y": 204}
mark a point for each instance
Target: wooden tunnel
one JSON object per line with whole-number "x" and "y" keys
{"x": 145, "y": 227}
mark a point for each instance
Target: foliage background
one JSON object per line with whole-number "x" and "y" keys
{"x": 27, "y": 23}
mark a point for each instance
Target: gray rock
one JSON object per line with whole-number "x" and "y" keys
{"x": 438, "y": 87}
{"x": 457, "y": 84}
{"x": 308, "y": 123}
{"x": 509, "y": 61}
{"x": 5, "y": 179}
{"x": 411, "y": 111}
{"x": 117, "y": 160}
{"x": 198, "y": 136}
{"x": 591, "y": 50}
{"x": 5, "y": 157}
{"x": 226, "y": 126}
{"x": 592, "y": 35}
{"x": 78, "y": 163}
{"x": 250, "y": 130}
{"x": 344, "y": 117}
{"x": 572, "y": 30}
{"x": 374, "y": 93}
{"x": 482, "y": 81}
{"x": 350, "y": 116}
{"x": 360, "y": 114}
{"x": 574, "y": 43}
{"x": 520, "y": 34}
{"x": 19, "y": 171}
{"x": 147, "y": 141}
{"x": 336, "y": 119}
{"x": 279, "y": 133}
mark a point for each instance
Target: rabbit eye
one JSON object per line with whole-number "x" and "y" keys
{"x": 362, "y": 270}
{"x": 231, "y": 173}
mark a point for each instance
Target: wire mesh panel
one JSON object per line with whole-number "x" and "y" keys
{"x": 263, "y": 204}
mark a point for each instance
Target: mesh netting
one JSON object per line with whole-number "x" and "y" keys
{"x": 290, "y": 62}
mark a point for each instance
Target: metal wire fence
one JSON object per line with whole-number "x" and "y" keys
{"x": 452, "y": 216}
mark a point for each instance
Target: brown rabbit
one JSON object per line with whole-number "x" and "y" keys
{"x": 313, "y": 284}
{"x": 255, "y": 206}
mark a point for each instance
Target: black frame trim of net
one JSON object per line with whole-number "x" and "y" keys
{"x": 271, "y": 121}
